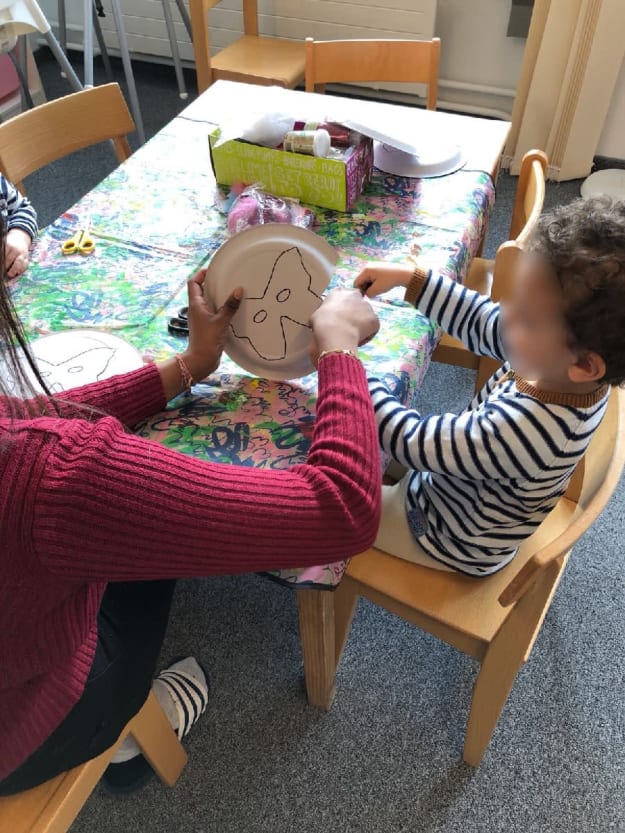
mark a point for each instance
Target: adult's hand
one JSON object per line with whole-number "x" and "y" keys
{"x": 207, "y": 329}
{"x": 344, "y": 321}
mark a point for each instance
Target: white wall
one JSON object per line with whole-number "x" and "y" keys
{"x": 612, "y": 140}
{"x": 476, "y": 51}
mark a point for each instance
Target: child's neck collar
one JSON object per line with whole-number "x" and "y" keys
{"x": 577, "y": 399}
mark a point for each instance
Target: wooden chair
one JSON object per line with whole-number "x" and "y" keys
{"x": 252, "y": 58}
{"x": 491, "y": 277}
{"x": 340, "y": 61}
{"x": 53, "y": 806}
{"x": 35, "y": 138}
{"x": 495, "y": 619}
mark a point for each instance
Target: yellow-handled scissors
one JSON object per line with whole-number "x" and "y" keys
{"x": 80, "y": 242}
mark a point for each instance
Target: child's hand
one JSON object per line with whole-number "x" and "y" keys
{"x": 16, "y": 252}
{"x": 380, "y": 277}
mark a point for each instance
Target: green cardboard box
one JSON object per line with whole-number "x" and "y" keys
{"x": 330, "y": 183}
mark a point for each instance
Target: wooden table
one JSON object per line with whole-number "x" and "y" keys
{"x": 156, "y": 219}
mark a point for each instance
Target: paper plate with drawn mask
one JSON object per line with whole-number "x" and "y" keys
{"x": 72, "y": 358}
{"x": 284, "y": 271}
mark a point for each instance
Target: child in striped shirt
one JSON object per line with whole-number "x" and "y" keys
{"x": 20, "y": 220}
{"x": 481, "y": 481}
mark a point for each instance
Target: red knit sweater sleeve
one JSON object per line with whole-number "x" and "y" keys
{"x": 130, "y": 397}
{"x": 112, "y": 506}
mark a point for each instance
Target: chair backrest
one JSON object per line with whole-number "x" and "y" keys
{"x": 591, "y": 486}
{"x": 250, "y": 14}
{"x": 528, "y": 204}
{"x": 250, "y": 17}
{"x": 530, "y": 195}
{"x": 374, "y": 60}
{"x": 35, "y": 138}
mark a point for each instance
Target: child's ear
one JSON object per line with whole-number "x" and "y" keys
{"x": 589, "y": 367}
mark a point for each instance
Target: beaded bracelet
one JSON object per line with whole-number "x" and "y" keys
{"x": 351, "y": 353}
{"x": 187, "y": 379}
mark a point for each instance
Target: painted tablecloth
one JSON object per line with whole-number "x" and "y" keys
{"x": 156, "y": 219}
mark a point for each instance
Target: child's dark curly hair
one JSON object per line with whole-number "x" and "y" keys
{"x": 584, "y": 243}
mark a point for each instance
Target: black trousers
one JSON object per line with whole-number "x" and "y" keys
{"x": 131, "y": 627}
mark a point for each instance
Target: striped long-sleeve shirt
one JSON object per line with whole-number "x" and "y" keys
{"x": 484, "y": 479}
{"x": 16, "y": 210}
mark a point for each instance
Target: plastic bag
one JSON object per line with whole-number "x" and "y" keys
{"x": 260, "y": 128}
{"x": 254, "y": 206}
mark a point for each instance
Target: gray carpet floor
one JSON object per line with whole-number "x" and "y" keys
{"x": 387, "y": 757}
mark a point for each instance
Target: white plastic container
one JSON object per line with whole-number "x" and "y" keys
{"x": 311, "y": 142}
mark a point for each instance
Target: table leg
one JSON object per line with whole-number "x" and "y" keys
{"x": 316, "y": 626}
{"x": 325, "y": 618}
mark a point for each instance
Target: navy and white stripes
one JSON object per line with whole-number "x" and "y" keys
{"x": 16, "y": 210}
{"x": 484, "y": 479}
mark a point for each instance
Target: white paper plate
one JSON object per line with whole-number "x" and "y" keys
{"x": 284, "y": 270}
{"x": 77, "y": 357}
{"x": 394, "y": 137}
{"x": 427, "y": 161}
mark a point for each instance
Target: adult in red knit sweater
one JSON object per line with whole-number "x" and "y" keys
{"x": 92, "y": 519}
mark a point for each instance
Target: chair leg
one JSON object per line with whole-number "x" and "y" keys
{"x": 158, "y": 741}
{"x": 501, "y": 663}
{"x": 317, "y": 635}
{"x": 201, "y": 46}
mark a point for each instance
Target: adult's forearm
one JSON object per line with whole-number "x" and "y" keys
{"x": 133, "y": 509}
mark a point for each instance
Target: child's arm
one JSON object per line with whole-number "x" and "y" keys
{"x": 461, "y": 312}
{"x": 21, "y": 228}
{"x": 509, "y": 439}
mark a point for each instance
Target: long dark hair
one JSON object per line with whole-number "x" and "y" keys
{"x": 15, "y": 382}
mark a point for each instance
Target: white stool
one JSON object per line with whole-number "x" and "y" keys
{"x": 610, "y": 181}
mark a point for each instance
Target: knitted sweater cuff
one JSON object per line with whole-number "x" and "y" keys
{"x": 417, "y": 284}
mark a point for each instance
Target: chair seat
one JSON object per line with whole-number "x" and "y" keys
{"x": 20, "y": 813}
{"x": 453, "y": 600}
{"x": 52, "y": 805}
{"x": 270, "y": 60}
